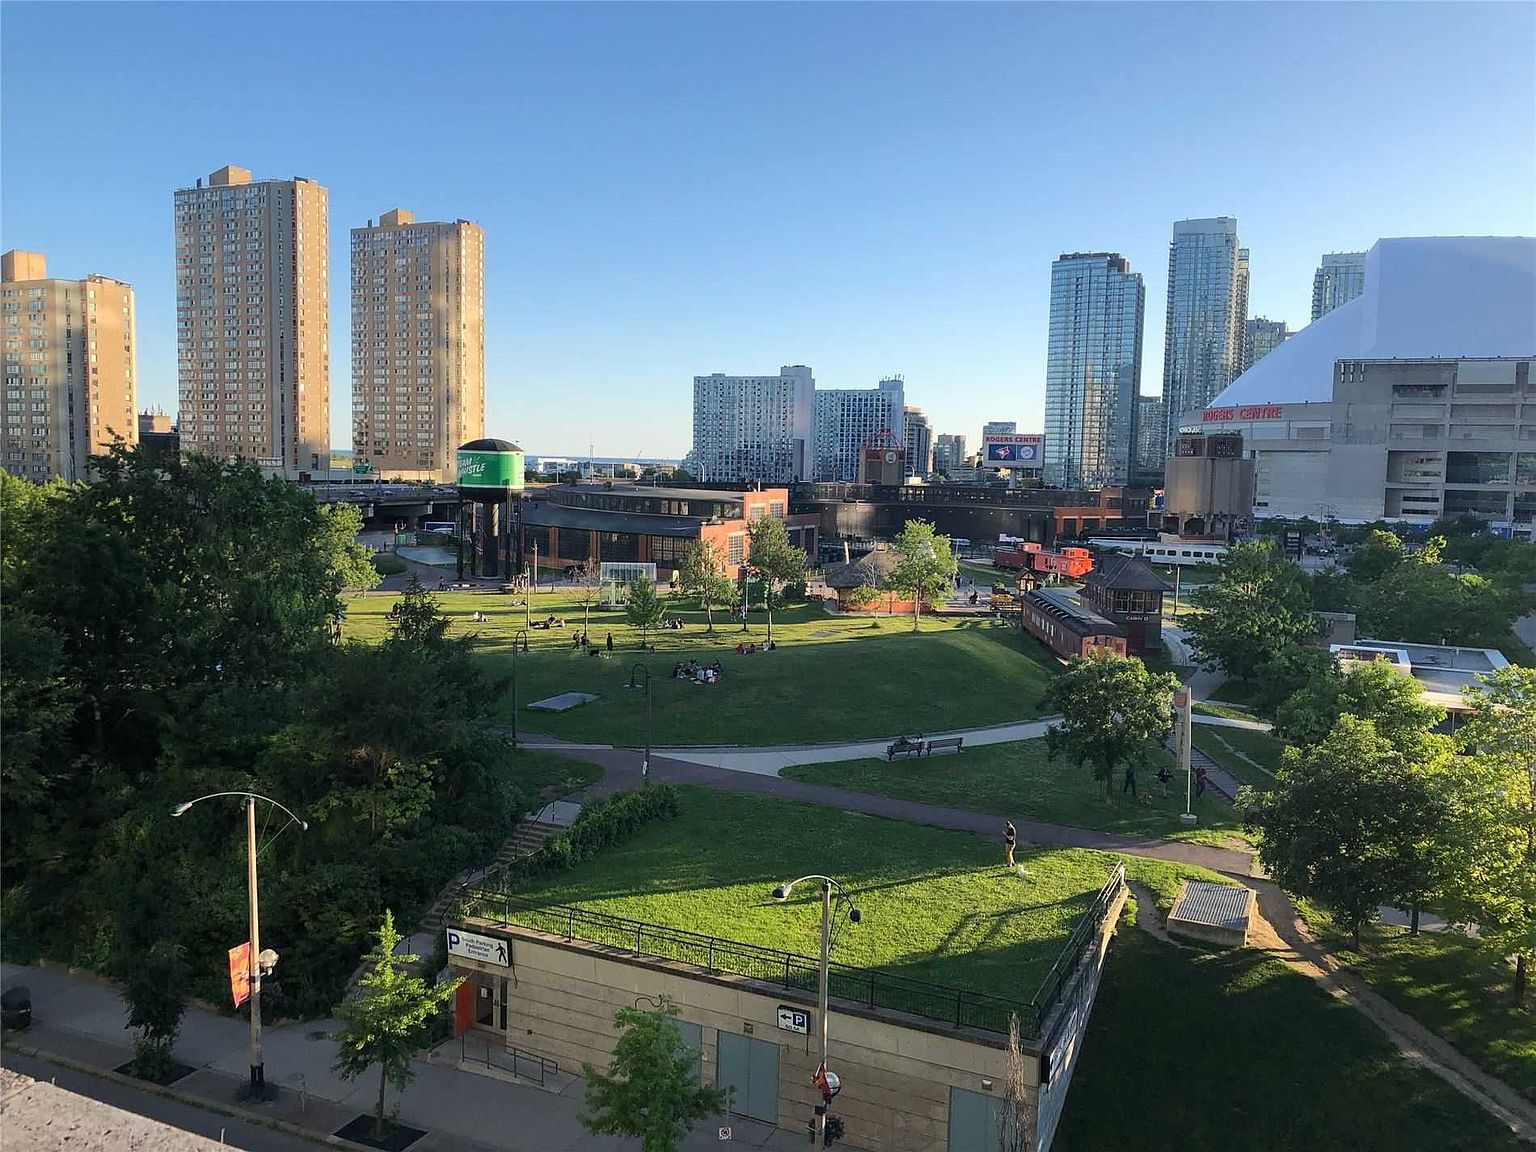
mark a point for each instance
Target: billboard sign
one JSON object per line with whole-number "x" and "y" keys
{"x": 1013, "y": 450}
{"x": 491, "y": 470}
{"x": 1247, "y": 412}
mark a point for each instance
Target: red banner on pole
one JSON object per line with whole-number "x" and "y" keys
{"x": 240, "y": 973}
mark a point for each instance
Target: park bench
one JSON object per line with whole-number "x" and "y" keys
{"x": 904, "y": 746}
{"x": 946, "y": 744}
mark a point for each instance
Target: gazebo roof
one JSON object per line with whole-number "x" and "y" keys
{"x": 871, "y": 569}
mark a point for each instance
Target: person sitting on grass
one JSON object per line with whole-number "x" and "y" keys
{"x": 678, "y": 671}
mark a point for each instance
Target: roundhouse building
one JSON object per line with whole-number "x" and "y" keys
{"x": 629, "y": 523}
{"x": 1412, "y": 401}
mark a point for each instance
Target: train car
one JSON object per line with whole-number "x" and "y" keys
{"x": 1176, "y": 553}
{"x": 1071, "y": 563}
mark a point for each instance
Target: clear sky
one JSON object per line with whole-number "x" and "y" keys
{"x": 677, "y": 190}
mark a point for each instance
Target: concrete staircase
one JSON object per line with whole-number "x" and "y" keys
{"x": 527, "y": 837}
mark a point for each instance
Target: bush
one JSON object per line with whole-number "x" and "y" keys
{"x": 602, "y": 824}
{"x": 388, "y": 565}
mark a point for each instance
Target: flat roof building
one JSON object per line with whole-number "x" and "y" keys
{"x": 1443, "y": 672}
{"x": 71, "y": 385}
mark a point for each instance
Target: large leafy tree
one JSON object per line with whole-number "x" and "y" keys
{"x": 388, "y": 1020}
{"x": 702, "y": 574}
{"x": 1353, "y": 824}
{"x": 1113, "y": 713}
{"x": 1422, "y": 601}
{"x": 651, "y": 1090}
{"x": 1257, "y": 604}
{"x": 774, "y": 558}
{"x": 1378, "y": 554}
{"x": 1376, "y": 692}
{"x": 1289, "y": 670}
{"x": 1494, "y": 827}
{"x": 925, "y": 565}
{"x": 643, "y": 608}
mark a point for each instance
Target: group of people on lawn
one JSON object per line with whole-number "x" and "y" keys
{"x": 698, "y": 673}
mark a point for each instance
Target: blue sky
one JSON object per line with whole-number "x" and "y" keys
{"x": 676, "y": 190}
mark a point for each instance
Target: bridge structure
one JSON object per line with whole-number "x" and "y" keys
{"x": 384, "y": 505}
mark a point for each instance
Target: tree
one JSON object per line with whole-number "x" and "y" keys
{"x": 341, "y": 524}
{"x": 1351, "y": 823}
{"x": 702, "y": 574}
{"x": 1422, "y": 601}
{"x": 925, "y": 565}
{"x": 651, "y": 1091}
{"x": 587, "y": 578}
{"x": 643, "y": 608}
{"x": 155, "y": 988}
{"x": 1494, "y": 825}
{"x": 1381, "y": 552}
{"x": 1257, "y": 604}
{"x": 1376, "y": 692}
{"x": 388, "y": 1020}
{"x": 1113, "y": 710}
{"x": 1288, "y": 670}
{"x": 771, "y": 556}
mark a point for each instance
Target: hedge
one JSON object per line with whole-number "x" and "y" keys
{"x": 601, "y": 824}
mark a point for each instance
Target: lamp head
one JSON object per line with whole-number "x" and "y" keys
{"x": 178, "y": 809}
{"x": 854, "y": 915}
{"x": 781, "y": 893}
{"x": 303, "y": 825}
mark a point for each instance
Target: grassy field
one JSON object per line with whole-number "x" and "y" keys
{"x": 1448, "y": 984}
{"x": 542, "y": 776}
{"x": 1251, "y": 756}
{"x": 1223, "y": 1051}
{"x": 831, "y": 678}
{"x": 1017, "y": 779}
{"x": 1238, "y": 692}
{"x": 1230, "y": 711}
{"x": 937, "y": 905}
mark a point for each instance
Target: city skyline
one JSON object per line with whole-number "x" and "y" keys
{"x": 604, "y": 264}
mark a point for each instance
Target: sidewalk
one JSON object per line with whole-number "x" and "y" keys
{"x": 78, "y": 1022}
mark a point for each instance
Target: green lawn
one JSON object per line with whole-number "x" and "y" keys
{"x": 937, "y": 905}
{"x": 543, "y": 776}
{"x": 1016, "y": 779}
{"x": 1240, "y": 692}
{"x": 1252, "y": 757}
{"x": 1224, "y": 1051}
{"x": 831, "y": 679}
{"x": 1230, "y": 711}
{"x": 1451, "y": 986}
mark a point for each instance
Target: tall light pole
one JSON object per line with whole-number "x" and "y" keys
{"x": 521, "y": 633}
{"x": 254, "y": 961}
{"x": 781, "y": 893}
{"x": 645, "y": 765}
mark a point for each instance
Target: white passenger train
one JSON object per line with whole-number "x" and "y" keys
{"x": 1165, "y": 551}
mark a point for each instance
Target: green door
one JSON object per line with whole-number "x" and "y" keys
{"x": 751, "y": 1068}
{"x": 975, "y": 1121}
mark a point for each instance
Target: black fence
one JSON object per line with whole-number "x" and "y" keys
{"x": 867, "y": 986}
{"x": 1079, "y": 949}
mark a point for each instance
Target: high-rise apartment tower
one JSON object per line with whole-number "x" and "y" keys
{"x": 919, "y": 443}
{"x": 253, "y": 320}
{"x": 418, "y": 344}
{"x": 1338, "y": 279}
{"x": 70, "y": 387}
{"x": 849, "y": 418}
{"x": 1207, "y": 307}
{"x": 754, "y": 427}
{"x": 1092, "y": 370}
{"x": 1261, "y": 337}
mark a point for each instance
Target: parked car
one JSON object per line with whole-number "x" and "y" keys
{"x": 16, "y": 1007}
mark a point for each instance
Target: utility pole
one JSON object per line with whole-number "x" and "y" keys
{"x": 253, "y": 961}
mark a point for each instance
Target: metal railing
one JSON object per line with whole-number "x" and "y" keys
{"x": 869, "y": 987}
{"x": 1078, "y": 950}
{"x": 505, "y": 1058}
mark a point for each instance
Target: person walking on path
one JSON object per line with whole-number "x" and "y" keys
{"x": 610, "y": 641}
{"x": 1010, "y": 841}
{"x": 1199, "y": 782}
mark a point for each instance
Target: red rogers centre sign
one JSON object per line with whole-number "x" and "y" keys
{"x": 1251, "y": 412}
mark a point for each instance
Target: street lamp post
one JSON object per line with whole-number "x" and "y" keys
{"x": 781, "y": 893}
{"x": 255, "y": 960}
{"x": 645, "y": 765}
{"x": 521, "y": 633}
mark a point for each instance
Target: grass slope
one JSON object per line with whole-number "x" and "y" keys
{"x": 831, "y": 679}
{"x": 1016, "y": 779}
{"x": 1215, "y": 1052}
{"x": 1451, "y": 986}
{"x": 1253, "y": 757}
{"x": 542, "y": 776}
{"x": 937, "y": 905}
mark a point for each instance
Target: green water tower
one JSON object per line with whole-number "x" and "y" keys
{"x": 490, "y": 473}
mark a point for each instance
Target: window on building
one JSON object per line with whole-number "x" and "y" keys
{"x": 736, "y": 548}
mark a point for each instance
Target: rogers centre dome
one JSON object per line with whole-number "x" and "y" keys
{"x": 1415, "y": 400}
{"x": 1441, "y": 297}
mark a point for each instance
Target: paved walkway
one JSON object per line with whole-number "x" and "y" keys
{"x": 622, "y": 771}
{"x": 78, "y": 1025}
